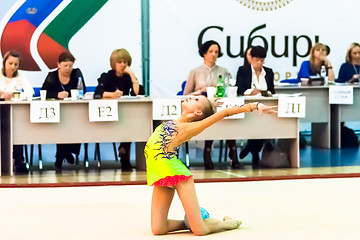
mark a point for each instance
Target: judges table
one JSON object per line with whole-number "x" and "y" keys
{"x": 255, "y": 126}
{"x": 135, "y": 125}
{"x": 345, "y": 113}
{"x": 318, "y": 111}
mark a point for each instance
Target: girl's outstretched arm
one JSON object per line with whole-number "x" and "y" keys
{"x": 188, "y": 130}
{"x": 196, "y": 128}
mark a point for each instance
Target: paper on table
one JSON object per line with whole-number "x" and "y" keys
{"x": 287, "y": 95}
{"x": 287, "y": 84}
{"x": 138, "y": 96}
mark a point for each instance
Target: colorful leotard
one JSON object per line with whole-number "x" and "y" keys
{"x": 163, "y": 168}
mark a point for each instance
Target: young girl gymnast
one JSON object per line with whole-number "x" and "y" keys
{"x": 167, "y": 173}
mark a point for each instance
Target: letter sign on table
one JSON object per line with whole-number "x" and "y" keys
{"x": 232, "y": 102}
{"x": 341, "y": 95}
{"x": 292, "y": 107}
{"x": 166, "y": 109}
{"x": 103, "y": 110}
{"x": 45, "y": 112}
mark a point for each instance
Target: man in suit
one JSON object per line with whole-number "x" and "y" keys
{"x": 251, "y": 79}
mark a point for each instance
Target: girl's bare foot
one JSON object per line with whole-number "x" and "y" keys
{"x": 232, "y": 222}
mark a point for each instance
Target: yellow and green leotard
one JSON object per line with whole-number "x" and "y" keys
{"x": 163, "y": 168}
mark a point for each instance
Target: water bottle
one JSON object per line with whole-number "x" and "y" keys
{"x": 19, "y": 86}
{"x": 220, "y": 87}
{"x": 80, "y": 88}
{"x": 18, "y": 94}
{"x": 323, "y": 73}
{"x": 226, "y": 80}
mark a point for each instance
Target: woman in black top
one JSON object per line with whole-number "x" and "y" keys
{"x": 59, "y": 82}
{"x": 58, "y": 85}
{"x": 251, "y": 78}
{"x": 119, "y": 81}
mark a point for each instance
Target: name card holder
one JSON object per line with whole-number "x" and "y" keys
{"x": 45, "y": 112}
{"x": 232, "y": 102}
{"x": 103, "y": 110}
{"x": 166, "y": 108}
{"x": 341, "y": 94}
{"x": 293, "y": 107}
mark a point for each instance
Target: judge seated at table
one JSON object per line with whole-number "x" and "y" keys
{"x": 318, "y": 58}
{"x": 117, "y": 82}
{"x": 58, "y": 84}
{"x": 350, "y": 69}
{"x": 251, "y": 79}
{"x": 201, "y": 77}
{"x": 11, "y": 80}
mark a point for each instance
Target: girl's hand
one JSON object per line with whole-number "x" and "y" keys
{"x": 267, "y": 109}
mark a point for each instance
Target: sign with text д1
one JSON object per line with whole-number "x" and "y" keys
{"x": 292, "y": 107}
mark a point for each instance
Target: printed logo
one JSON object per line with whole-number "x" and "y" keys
{"x": 264, "y": 5}
{"x": 31, "y": 10}
{"x": 19, "y": 30}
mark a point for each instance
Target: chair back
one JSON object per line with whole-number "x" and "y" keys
{"x": 181, "y": 92}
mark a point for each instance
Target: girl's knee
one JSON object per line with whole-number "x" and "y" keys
{"x": 200, "y": 232}
{"x": 157, "y": 229}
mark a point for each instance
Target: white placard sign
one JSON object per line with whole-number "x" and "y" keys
{"x": 103, "y": 110}
{"x": 341, "y": 95}
{"x": 44, "y": 112}
{"x": 166, "y": 108}
{"x": 232, "y": 102}
{"x": 292, "y": 107}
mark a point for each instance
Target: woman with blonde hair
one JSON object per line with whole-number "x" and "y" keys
{"x": 318, "y": 58}
{"x": 350, "y": 69}
{"x": 119, "y": 81}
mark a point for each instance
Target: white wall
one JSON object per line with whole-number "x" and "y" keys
{"x": 175, "y": 27}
